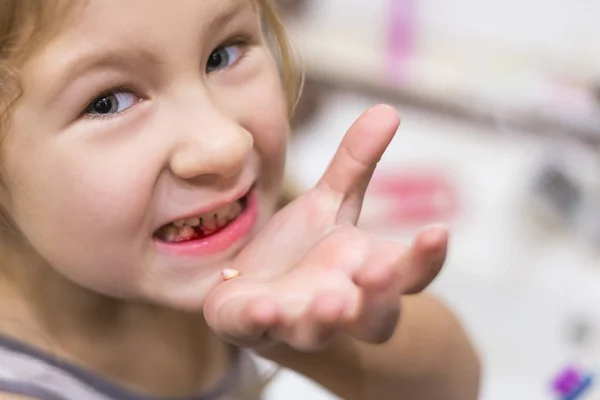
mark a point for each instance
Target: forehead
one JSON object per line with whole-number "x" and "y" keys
{"x": 103, "y": 18}
{"x": 50, "y": 20}
{"x": 96, "y": 23}
{"x": 117, "y": 28}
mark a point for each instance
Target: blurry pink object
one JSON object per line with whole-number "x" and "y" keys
{"x": 401, "y": 36}
{"x": 412, "y": 199}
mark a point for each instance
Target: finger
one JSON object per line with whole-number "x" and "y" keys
{"x": 423, "y": 260}
{"x": 188, "y": 294}
{"x": 245, "y": 321}
{"x": 379, "y": 309}
{"x": 353, "y": 164}
{"x": 319, "y": 323}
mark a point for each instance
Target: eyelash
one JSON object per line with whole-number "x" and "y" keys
{"x": 111, "y": 92}
{"x": 241, "y": 41}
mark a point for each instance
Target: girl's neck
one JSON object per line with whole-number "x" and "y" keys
{"x": 143, "y": 347}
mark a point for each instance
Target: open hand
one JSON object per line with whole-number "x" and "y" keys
{"x": 311, "y": 273}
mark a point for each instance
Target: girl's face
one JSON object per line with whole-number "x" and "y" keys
{"x": 148, "y": 146}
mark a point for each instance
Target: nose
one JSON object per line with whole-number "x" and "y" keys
{"x": 210, "y": 143}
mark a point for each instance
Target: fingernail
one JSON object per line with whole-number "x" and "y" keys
{"x": 438, "y": 227}
{"x": 431, "y": 237}
{"x": 229, "y": 274}
{"x": 436, "y": 231}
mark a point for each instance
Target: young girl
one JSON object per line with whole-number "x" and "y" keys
{"x": 142, "y": 154}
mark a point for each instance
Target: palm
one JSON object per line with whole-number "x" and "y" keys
{"x": 311, "y": 272}
{"x": 288, "y": 236}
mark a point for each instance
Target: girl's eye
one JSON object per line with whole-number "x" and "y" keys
{"x": 109, "y": 104}
{"x": 222, "y": 58}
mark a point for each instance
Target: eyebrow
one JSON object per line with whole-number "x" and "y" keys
{"x": 229, "y": 12}
{"x": 78, "y": 65}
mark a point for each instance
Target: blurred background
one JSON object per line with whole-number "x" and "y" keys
{"x": 500, "y": 139}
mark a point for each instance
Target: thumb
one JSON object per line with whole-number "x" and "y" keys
{"x": 350, "y": 171}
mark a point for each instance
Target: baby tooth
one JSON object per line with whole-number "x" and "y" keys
{"x": 186, "y": 232}
{"x": 210, "y": 222}
{"x": 170, "y": 234}
{"x": 236, "y": 208}
{"x": 193, "y": 222}
{"x": 224, "y": 211}
{"x": 223, "y": 220}
{"x": 179, "y": 224}
{"x": 229, "y": 274}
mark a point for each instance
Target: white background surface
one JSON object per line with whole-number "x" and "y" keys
{"x": 562, "y": 29}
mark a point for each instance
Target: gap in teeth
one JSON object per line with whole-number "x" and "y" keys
{"x": 183, "y": 230}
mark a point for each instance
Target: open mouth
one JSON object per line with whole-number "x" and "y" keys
{"x": 204, "y": 225}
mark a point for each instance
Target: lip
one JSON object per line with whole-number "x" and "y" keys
{"x": 232, "y": 234}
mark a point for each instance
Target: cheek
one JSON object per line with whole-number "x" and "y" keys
{"x": 265, "y": 117}
{"x": 88, "y": 201}
{"x": 92, "y": 194}
{"x": 270, "y": 141}
{"x": 260, "y": 107}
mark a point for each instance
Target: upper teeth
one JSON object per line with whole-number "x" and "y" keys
{"x": 213, "y": 218}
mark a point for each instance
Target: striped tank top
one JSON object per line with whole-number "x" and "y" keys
{"x": 31, "y": 372}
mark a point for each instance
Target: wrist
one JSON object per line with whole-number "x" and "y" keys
{"x": 286, "y": 355}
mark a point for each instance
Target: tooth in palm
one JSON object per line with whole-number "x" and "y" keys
{"x": 229, "y": 274}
